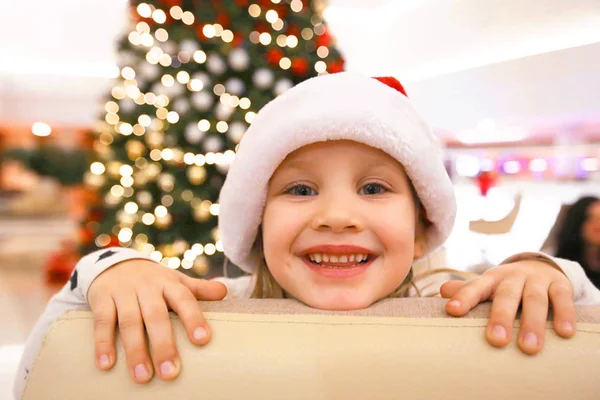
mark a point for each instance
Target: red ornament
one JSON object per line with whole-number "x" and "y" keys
{"x": 170, "y": 3}
{"x": 300, "y": 66}
{"x": 336, "y": 66}
{"x": 265, "y": 3}
{"x": 223, "y": 19}
{"x": 324, "y": 40}
{"x": 238, "y": 39}
{"x": 61, "y": 263}
{"x": 114, "y": 242}
{"x": 86, "y": 236}
{"x": 242, "y": 3}
{"x": 274, "y": 56}
{"x": 293, "y": 30}
{"x": 486, "y": 181}
{"x": 262, "y": 27}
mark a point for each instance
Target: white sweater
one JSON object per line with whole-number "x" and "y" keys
{"x": 74, "y": 294}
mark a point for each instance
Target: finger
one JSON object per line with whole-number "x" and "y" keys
{"x": 450, "y": 288}
{"x": 131, "y": 330}
{"x": 105, "y": 323}
{"x": 561, "y": 297}
{"x": 533, "y": 317}
{"x": 183, "y": 302}
{"x": 203, "y": 289}
{"x": 505, "y": 306}
{"x": 160, "y": 332}
{"x": 471, "y": 294}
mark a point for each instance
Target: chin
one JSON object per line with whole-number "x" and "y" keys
{"x": 340, "y": 302}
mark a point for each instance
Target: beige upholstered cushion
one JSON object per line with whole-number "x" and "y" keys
{"x": 280, "y": 349}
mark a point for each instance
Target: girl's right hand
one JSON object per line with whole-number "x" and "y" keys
{"x": 138, "y": 294}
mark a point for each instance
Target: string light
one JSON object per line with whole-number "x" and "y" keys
{"x": 126, "y": 170}
{"x": 159, "y": 16}
{"x": 125, "y": 235}
{"x": 117, "y": 191}
{"x": 148, "y": 219}
{"x": 285, "y": 63}
{"x": 173, "y": 117}
{"x": 254, "y": 37}
{"x": 195, "y": 85}
{"x": 174, "y": 263}
{"x": 103, "y": 240}
{"x": 176, "y": 12}
{"x": 265, "y": 38}
{"x": 245, "y": 103}
{"x": 144, "y": 10}
{"x": 97, "y": 168}
{"x": 323, "y": 52}
{"x": 296, "y": 5}
{"x": 209, "y": 31}
{"x": 218, "y": 30}
{"x": 200, "y": 160}
{"x": 125, "y": 129}
{"x": 138, "y": 130}
{"x": 160, "y": 211}
{"x": 131, "y": 208}
{"x": 210, "y": 249}
{"x": 156, "y": 256}
{"x": 126, "y": 181}
{"x": 307, "y": 34}
{"x": 41, "y": 129}
{"x": 222, "y": 126}
{"x": 281, "y": 40}
{"x": 144, "y": 120}
{"x": 292, "y": 41}
{"x": 142, "y": 27}
{"x": 250, "y": 116}
{"x": 219, "y": 246}
{"x": 320, "y": 66}
{"x": 200, "y": 56}
{"x": 278, "y": 25}
{"x": 219, "y": 89}
{"x": 214, "y": 209}
{"x": 227, "y": 36}
{"x": 254, "y": 10}
{"x": 271, "y": 16}
{"x": 167, "y": 154}
{"x": 165, "y": 60}
{"x": 155, "y": 155}
{"x": 167, "y": 200}
{"x": 183, "y": 77}
{"x": 189, "y": 158}
{"x": 161, "y": 35}
{"x": 198, "y": 249}
{"x": 188, "y": 18}
{"x": 147, "y": 40}
{"x": 111, "y": 107}
{"x": 135, "y": 38}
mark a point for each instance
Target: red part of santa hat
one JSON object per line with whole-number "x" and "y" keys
{"x": 392, "y": 82}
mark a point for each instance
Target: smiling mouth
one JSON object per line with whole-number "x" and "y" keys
{"x": 341, "y": 261}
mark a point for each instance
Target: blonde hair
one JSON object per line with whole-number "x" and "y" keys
{"x": 266, "y": 286}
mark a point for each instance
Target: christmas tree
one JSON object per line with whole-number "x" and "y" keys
{"x": 193, "y": 74}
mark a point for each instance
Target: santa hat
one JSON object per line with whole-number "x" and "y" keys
{"x": 342, "y": 106}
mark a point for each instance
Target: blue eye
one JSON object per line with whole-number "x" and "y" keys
{"x": 373, "y": 189}
{"x": 301, "y": 190}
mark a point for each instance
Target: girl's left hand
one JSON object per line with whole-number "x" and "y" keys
{"x": 530, "y": 282}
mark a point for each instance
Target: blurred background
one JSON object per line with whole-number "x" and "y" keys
{"x": 119, "y": 119}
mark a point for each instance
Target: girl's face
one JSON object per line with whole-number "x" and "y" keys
{"x": 339, "y": 225}
{"x": 591, "y": 227}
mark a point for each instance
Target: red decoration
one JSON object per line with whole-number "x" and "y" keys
{"x": 238, "y": 39}
{"x": 293, "y": 30}
{"x": 170, "y": 3}
{"x": 242, "y": 3}
{"x": 86, "y": 236}
{"x": 60, "y": 264}
{"x": 393, "y": 83}
{"x": 486, "y": 181}
{"x": 200, "y": 34}
{"x": 335, "y": 66}
{"x": 274, "y": 56}
{"x": 223, "y": 19}
{"x": 114, "y": 242}
{"x": 324, "y": 40}
{"x": 262, "y": 27}
{"x": 300, "y": 66}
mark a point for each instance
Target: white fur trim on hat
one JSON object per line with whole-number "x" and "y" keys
{"x": 339, "y": 106}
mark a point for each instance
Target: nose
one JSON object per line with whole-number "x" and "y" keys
{"x": 337, "y": 214}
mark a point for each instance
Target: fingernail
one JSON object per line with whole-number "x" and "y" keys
{"x": 200, "y": 333}
{"x": 498, "y": 332}
{"x": 568, "y": 327}
{"x": 167, "y": 368}
{"x": 141, "y": 372}
{"x": 454, "y": 304}
{"x": 530, "y": 340}
{"x": 104, "y": 361}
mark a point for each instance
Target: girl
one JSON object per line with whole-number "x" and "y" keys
{"x": 337, "y": 187}
{"x": 578, "y": 237}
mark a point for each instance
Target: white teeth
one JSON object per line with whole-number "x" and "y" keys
{"x": 319, "y": 257}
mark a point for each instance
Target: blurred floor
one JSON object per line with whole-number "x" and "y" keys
{"x": 24, "y": 246}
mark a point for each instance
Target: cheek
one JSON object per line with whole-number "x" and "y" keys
{"x": 280, "y": 227}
